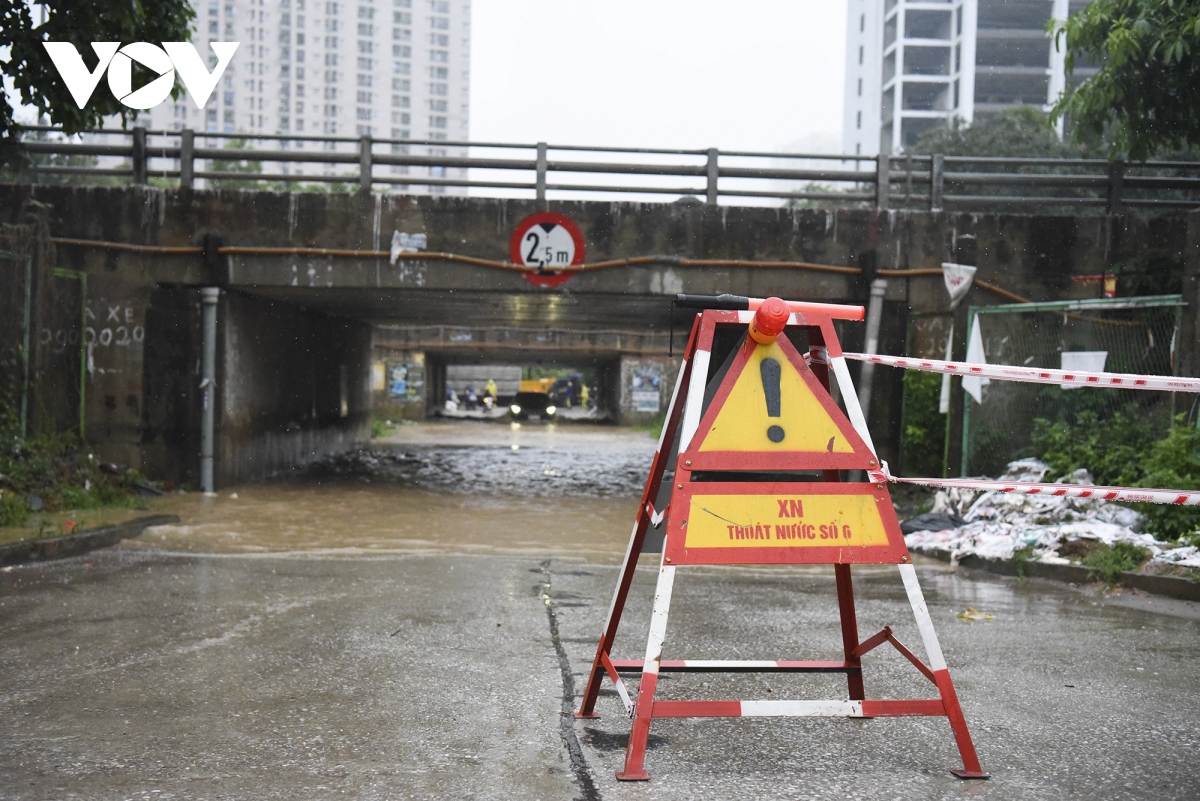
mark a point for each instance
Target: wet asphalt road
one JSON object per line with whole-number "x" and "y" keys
{"x": 301, "y": 672}
{"x": 136, "y": 674}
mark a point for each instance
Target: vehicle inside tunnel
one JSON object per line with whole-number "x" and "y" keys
{"x": 511, "y": 386}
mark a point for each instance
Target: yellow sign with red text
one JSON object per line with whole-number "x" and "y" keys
{"x": 784, "y": 523}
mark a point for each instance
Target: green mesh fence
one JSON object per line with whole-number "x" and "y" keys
{"x": 1137, "y": 334}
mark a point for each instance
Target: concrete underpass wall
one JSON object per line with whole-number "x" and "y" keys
{"x": 1036, "y": 256}
{"x": 293, "y": 387}
{"x": 170, "y": 436}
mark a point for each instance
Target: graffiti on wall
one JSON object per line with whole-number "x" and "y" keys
{"x": 115, "y": 326}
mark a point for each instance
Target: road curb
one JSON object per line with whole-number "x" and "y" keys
{"x": 1170, "y": 586}
{"x": 74, "y": 544}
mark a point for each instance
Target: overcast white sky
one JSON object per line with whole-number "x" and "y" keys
{"x": 750, "y": 74}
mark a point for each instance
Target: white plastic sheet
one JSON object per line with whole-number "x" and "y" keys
{"x": 1000, "y": 524}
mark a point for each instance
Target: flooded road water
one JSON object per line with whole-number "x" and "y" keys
{"x": 416, "y": 621}
{"x": 433, "y": 488}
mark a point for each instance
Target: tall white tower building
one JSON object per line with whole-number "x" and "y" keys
{"x": 915, "y": 64}
{"x": 391, "y": 69}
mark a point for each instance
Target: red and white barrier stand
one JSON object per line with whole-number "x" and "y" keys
{"x": 772, "y": 410}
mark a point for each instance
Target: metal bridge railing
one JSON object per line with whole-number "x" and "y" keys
{"x": 934, "y": 182}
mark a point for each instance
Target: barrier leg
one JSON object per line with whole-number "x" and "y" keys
{"x": 937, "y": 663}
{"x": 587, "y": 709}
{"x": 635, "y": 752}
{"x": 845, "y": 593}
{"x": 666, "y": 442}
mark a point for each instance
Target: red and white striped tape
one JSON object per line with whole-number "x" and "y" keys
{"x": 1036, "y": 375}
{"x": 1125, "y": 494}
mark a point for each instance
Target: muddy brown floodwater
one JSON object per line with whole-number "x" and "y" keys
{"x": 433, "y": 488}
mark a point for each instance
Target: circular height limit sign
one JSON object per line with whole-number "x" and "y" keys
{"x": 549, "y": 242}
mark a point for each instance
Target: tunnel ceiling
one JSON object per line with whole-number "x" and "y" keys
{"x": 476, "y": 308}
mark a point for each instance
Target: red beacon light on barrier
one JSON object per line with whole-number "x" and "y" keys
{"x": 770, "y": 319}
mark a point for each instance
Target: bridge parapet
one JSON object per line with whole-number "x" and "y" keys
{"x": 929, "y": 182}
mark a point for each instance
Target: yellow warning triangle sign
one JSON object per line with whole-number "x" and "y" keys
{"x": 771, "y": 413}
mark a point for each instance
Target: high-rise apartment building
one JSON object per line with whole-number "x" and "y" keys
{"x": 392, "y": 69}
{"x": 915, "y": 64}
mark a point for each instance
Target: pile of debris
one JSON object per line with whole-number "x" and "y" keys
{"x": 996, "y": 525}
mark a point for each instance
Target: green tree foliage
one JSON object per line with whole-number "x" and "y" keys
{"x": 1145, "y": 98}
{"x": 1122, "y": 452}
{"x": 922, "y": 446}
{"x": 32, "y": 74}
{"x": 1153, "y": 272}
{"x": 1023, "y": 132}
{"x": 1111, "y": 450}
{"x": 1173, "y": 463}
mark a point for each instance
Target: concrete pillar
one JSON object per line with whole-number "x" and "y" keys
{"x": 209, "y": 297}
{"x": 435, "y": 383}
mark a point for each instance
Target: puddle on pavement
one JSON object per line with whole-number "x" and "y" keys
{"x": 433, "y": 488}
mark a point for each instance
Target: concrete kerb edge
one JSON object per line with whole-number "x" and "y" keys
{"x": 74, "y": 544}
{"x": 1169, "y": 586}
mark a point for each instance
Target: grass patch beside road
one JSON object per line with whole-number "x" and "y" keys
{"x": 44, "y": 525}
{"x": 1110, "y": 561}
{"x": 53, "y": 475}
{"x": 382, "y": 428}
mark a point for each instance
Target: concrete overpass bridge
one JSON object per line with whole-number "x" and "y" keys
{"x": 307, "y": 289}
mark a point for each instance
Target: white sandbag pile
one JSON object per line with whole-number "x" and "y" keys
{"x": 998, "y": 524}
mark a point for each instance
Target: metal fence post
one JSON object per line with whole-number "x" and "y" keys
{"x": 139, "y": 156}
{"x": 713, "y": 174}
{"x": 937, "y": 181}
{"x": 187, "y": 158}
{"x": 364, "y": 163}
{"x": 1116, "y": 182}
{"x": 883, "y": 180}
{"x": 541, "y": 174}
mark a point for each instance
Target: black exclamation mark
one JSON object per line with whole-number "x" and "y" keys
{"x": 770, "y": 382}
